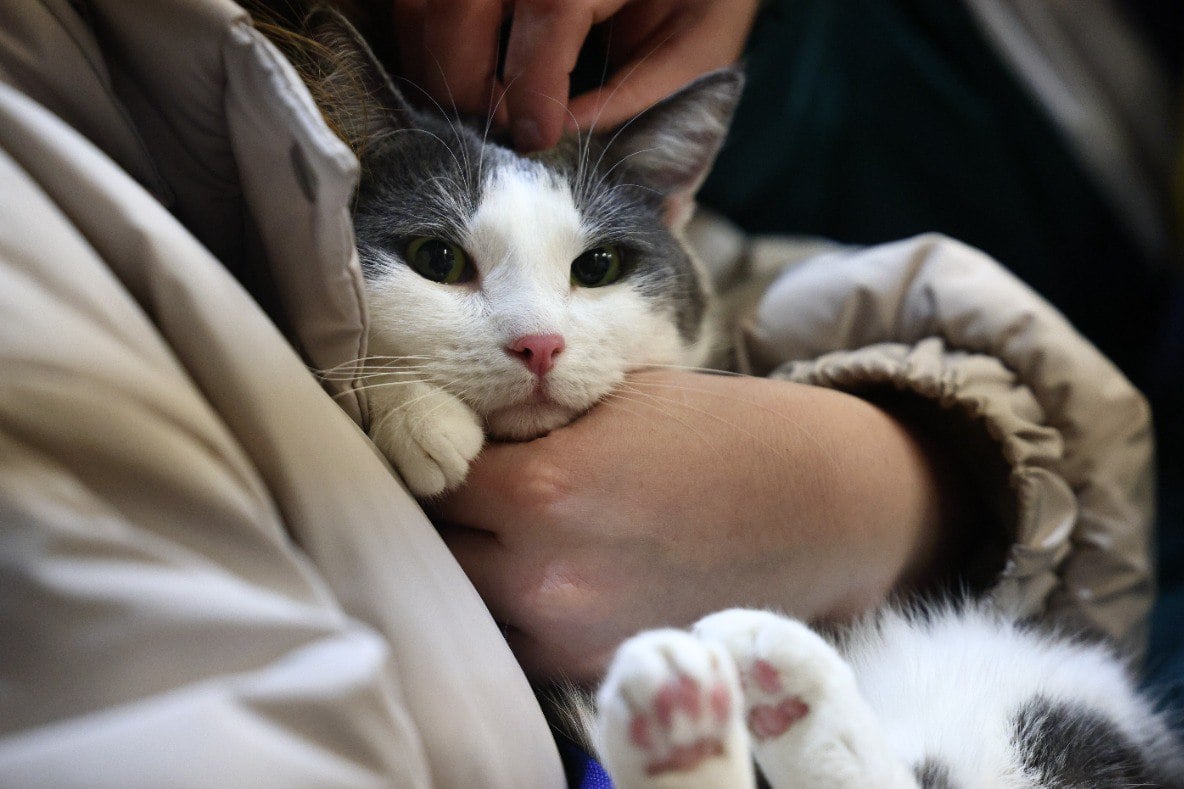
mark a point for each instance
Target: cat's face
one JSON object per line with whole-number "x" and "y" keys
{"x": 529, "y": 286}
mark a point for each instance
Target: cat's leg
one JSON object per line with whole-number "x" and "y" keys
{"x": 669, "y": 716}
{"x": 429, "y": 435}
{"x": 810, "y": 727}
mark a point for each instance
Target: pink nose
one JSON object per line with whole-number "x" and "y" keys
{"x": 537, "y": 351}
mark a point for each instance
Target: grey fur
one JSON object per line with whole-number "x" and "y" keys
{"x": 932, "y": 774}
{"x": 1064, "y": 746}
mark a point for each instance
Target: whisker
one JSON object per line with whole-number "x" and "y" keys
{"x": 705, "y": 413}
{"x": 454, "y": 121}
{"x": 400, "y": 407}
{"x": 616, "y": 88}
{"x": 366, "y": 375}
{"x": 653, "y": 403}
{"x": 692, "y": 369}
{"x": 383, "y": 385}
{"x": 802, "y": 428}
{"x": 359, "y": 368}
{"x": 430, "y": 133}
{"x": 620, "y": 399}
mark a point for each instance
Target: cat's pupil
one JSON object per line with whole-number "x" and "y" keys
{"x": 438, "y": 260}
{"x": 596, "y": 267}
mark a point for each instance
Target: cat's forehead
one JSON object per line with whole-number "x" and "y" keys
{"x": 527, "y": 223}
{"x": 527, "y": 197}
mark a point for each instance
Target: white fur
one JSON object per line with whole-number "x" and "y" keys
{"x": 644, "y": 668}
{"x": 838, "y": 743}
{"x": 948, "y": 688}
{"x": 896, "y": 691}
{"x": 522, "y": 239}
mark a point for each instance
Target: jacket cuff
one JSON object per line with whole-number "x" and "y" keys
{"x": 1015, "y": 531}
{"x": 944, "y": 322}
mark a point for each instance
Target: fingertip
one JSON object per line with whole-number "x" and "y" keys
{"x": 598, "y": 111}
{"x": 536, "y": 120}
{"x": 583, "y": 111}
{"x": 527, "y": 135}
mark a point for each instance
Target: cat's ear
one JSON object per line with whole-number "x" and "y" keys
{"x": 671, "y": 146}
{"x": 348, "y": 83}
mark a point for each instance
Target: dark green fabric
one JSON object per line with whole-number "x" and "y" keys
{"x": 871, "y": 120}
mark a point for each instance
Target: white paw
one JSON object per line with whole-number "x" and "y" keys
{"x": 668, "y": 715}
{"x": 429, "y": 435}
{"x": 809, "y": 724}
{"x": 785, "y": 667}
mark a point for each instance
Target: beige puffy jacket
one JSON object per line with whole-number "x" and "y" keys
{"x": 208, "y": 577}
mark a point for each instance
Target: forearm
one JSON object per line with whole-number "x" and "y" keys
{"x": 683, "y": 494}
{"x": 839, "y": 499}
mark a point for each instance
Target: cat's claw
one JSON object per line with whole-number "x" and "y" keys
{"x": 429, "y": 435}
{"x": 669, "y": 714}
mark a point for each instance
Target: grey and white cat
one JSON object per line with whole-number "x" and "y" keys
{"x": 508, "y": 294}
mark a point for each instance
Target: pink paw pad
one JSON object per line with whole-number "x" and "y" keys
{"x": 683, "y": 726}
{"x": 773, "y": 718}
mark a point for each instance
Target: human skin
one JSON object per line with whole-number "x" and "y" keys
{"x": 686, "y": 493}
{"x": 450, "y": 48}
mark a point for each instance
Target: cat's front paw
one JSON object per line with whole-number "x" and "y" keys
{"x": 429, "y": 435}
{"x": 785, "y": 667}
{"x": 669, "y": 715}
{"x": 809, "y": 724}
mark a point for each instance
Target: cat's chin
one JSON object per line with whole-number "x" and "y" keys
{"x": 524, "y": 422}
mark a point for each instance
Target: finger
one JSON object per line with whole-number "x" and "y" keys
{"x": 459, "y": 53}
{"x": 499, "y": 115}
{"x": 545, "y": 41}
{"x": 500, "y": 575}
{"x": 632, "y": 89}
{"x": 488, "y": 565}
{"x": 407, "y": 17}
{"x": 661, "y": 54}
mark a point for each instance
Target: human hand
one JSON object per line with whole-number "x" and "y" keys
{"x": 655, "y": 47}
{"x": 682, "y": 494}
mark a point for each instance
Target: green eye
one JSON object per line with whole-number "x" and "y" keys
{"x": 439, "y": 260}
{"x": 597, "y": 267}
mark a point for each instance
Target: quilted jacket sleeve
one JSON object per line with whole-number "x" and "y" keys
{"x": 1056, "y": 442}
{"x": 208, "y": 577}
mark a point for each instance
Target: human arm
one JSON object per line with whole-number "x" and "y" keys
{"x": 685, "y": 493}
{"x": 451, "y": 50}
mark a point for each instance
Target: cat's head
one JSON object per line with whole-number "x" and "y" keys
{"x": 527, "y": 286}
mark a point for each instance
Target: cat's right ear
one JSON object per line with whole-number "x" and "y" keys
{"x": 348, "y": 83}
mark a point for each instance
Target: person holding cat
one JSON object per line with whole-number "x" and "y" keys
{"x": 212, "y": 577}
{"x": 647, "y": 50}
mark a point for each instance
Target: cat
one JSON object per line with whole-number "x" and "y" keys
{"x": 508, "y": 294}
{"x": 939, "y": 697}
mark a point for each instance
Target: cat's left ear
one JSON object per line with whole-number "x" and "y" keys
{"x": 671, "y": 146}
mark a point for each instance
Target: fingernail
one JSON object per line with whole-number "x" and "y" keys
{"x": 527, "y": 136}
